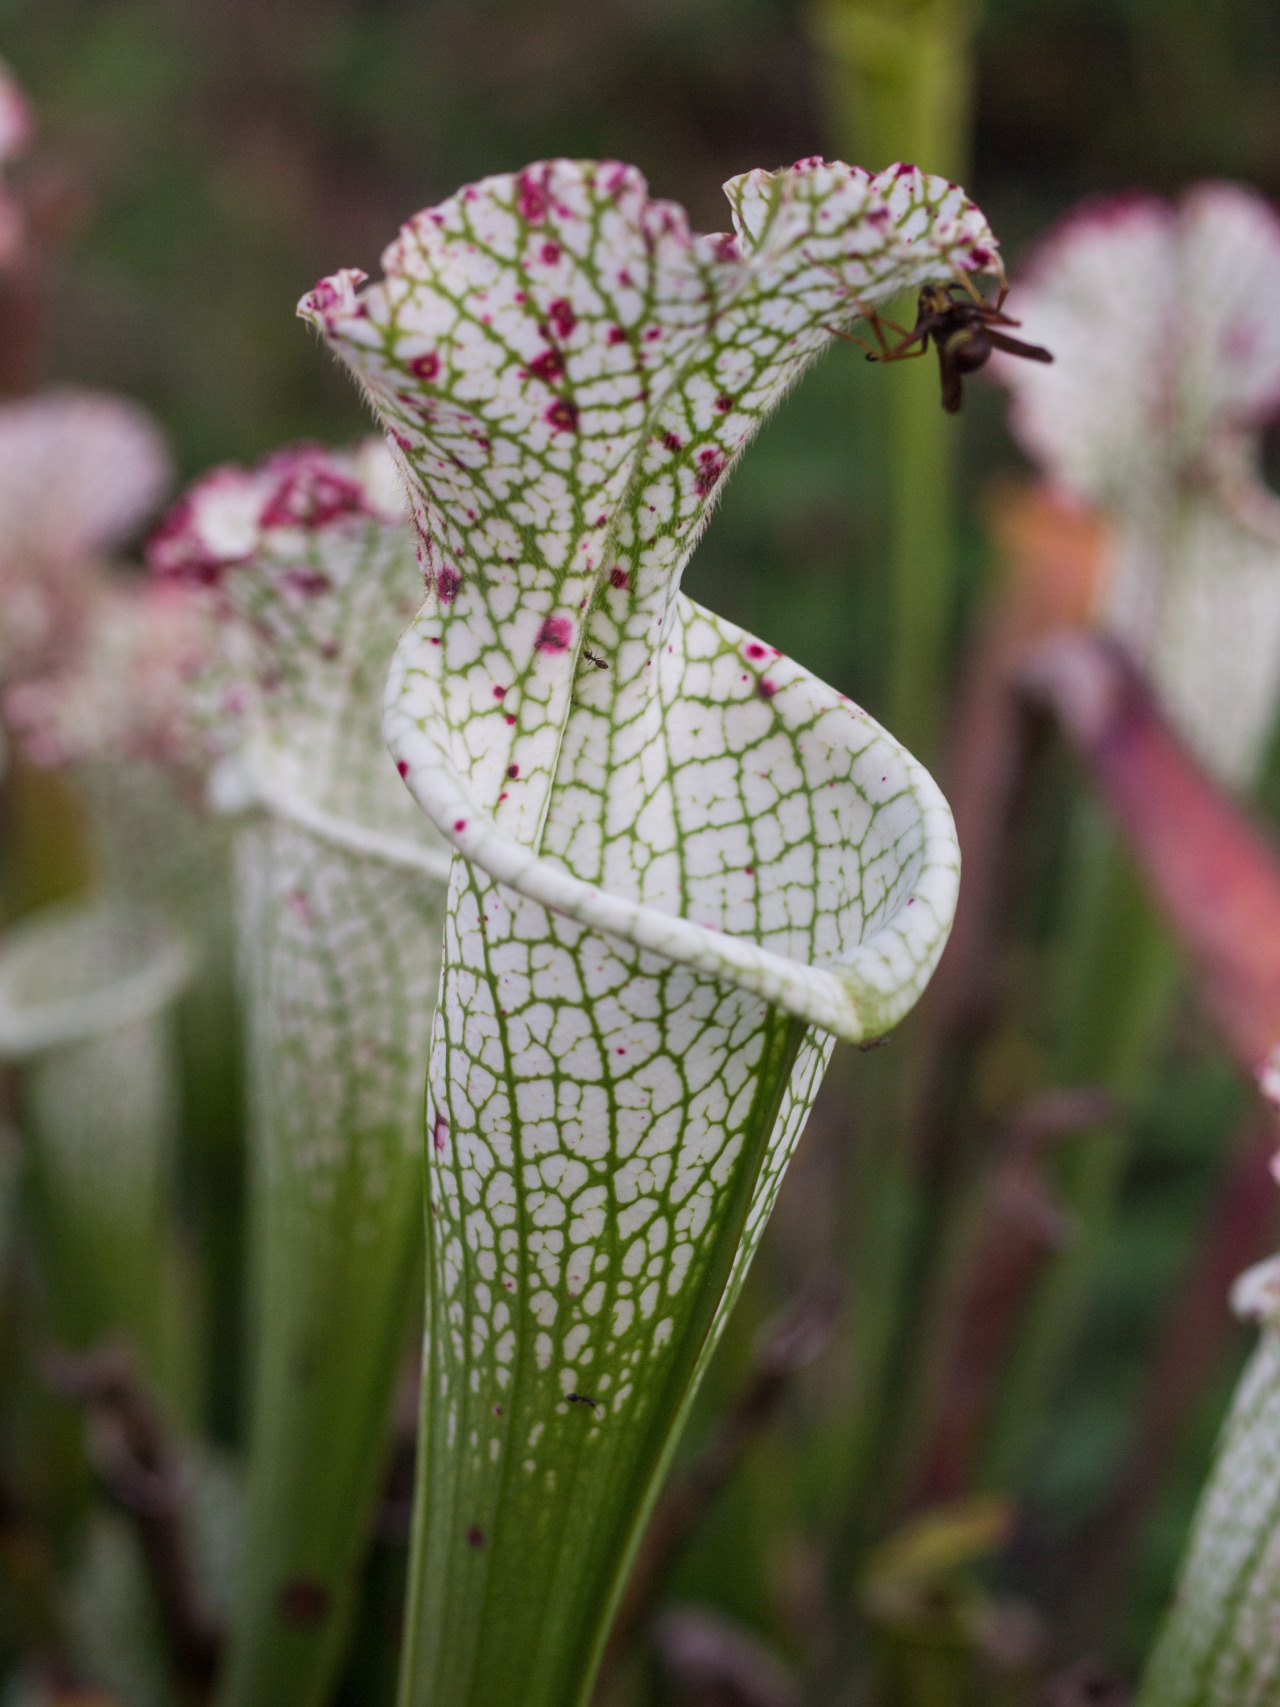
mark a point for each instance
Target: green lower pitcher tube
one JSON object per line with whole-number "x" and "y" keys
{"x": 1220, "y": 1645}
{"x": 87, "y": 997}
{"x": 340, "y": 961}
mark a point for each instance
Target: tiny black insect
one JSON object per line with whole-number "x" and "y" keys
{"x": 590, "y": 656}
{"x": 582, "y": 1399}
{"x": 963, "y": 328}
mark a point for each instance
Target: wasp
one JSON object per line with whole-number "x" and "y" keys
{"x": 963, "y": 328}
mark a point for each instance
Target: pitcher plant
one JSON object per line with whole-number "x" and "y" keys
{"x": 686, "y": 864}
{"x": 308, "y": 562}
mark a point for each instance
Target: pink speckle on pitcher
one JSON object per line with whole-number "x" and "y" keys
{"x": 563, "y": 415}
{"x": 532, "y": 200}
{"x": 308, "y": 583}
{"x": 310, "y": 492}
{"x": 711, "y": 465}
{"x": 548, "y": 366}
{"x": 562, "y": 317}
{"x": 555, "y": 635}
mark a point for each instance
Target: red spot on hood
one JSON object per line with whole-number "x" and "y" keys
{"x": 555, "y": 635}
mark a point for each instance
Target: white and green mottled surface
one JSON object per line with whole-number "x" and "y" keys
{"x": 680, "y": 850}
{"x": 87, "y": 997}
{"x": 1153, "y": 411}
{"x": 1220, "y": 1646}
{"x": 309, "y": 562}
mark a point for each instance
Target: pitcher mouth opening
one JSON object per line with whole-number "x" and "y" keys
{"x": 243, "y": 784}
{"x": 82, "y": 968}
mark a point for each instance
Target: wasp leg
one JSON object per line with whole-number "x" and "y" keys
{"x": 884, "y": 352}
{"x": 848, "y": 338}
{"x": 874, "y": 320}
{"x": 899, "y": 352}
{"x": 903, "y": 352}
{"x": 1002, "y": 285}
{"x": 965, "y": 281}
{"x": 878, "y": 322}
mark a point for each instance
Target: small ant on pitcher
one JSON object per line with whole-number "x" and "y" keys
{"x": 964, "y": 329}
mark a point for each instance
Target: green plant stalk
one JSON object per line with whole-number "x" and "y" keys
{"x": 899, "y": 79}
{"x": 930, "y": 1263}
{"x": 899, "y": 87}
{"x": 150, "y": 844}
{"x": 1119, "y": 982}
{"x": 922, "y": 460}
{"x": 924, "y": 1673}
{"x": 881, "y": 1241}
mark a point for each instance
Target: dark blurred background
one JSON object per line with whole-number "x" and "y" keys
{"x": 222, "y": 154}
